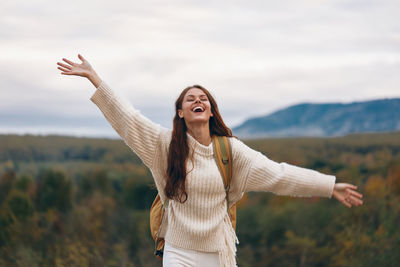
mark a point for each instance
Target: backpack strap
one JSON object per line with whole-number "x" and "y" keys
{"x": 223, "y": 157}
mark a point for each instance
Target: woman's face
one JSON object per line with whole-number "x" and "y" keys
{"x": 195, "y": 107}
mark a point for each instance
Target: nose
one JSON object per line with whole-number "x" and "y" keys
{"x": 197, "y": 100}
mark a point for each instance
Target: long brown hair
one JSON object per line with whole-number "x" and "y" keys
{"x": 179, "y": 149}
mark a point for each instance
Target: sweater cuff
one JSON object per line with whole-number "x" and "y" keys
{"x": 328, "y": 182}
{"x": 101, "y": 91}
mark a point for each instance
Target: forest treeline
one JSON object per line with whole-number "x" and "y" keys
{"x": 67, "y": 201}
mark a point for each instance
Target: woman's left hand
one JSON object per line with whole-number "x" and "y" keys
{"x": 346, "y": 194}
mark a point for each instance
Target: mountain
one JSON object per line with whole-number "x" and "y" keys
{"x": 326, "y": 119}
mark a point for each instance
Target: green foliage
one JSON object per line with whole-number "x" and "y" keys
{"x": 5, "y": 222}
{"x": 20, "y": 205}
{"x": 85, "y": 202}
{"x": 30, "y": 148}
{"x": 53, "y": 191}
{"x": 7, "y": 180}
{"x": 138, "y": 195}
{"x": 24, "y": 183}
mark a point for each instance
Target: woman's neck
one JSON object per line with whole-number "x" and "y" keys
{"x": 201, "y": 133}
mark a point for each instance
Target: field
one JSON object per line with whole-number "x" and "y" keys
{"x": 68, "y": 201}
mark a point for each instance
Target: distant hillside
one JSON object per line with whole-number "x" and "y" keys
{"x": 333, "y": 119}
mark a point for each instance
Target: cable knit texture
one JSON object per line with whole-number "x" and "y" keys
{"x": 202, "y": 222}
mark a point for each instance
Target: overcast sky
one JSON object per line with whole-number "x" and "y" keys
{"x": 256, "y": 57}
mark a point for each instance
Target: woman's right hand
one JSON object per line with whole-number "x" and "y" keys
{"x": 84, "y": 70}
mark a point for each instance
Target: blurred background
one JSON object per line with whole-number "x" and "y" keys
{"x": 311, "y": 83}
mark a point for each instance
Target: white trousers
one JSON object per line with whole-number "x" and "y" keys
{"x": 179, "y": 257}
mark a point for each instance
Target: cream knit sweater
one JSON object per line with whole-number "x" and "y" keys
{"x": 202, "y": 222}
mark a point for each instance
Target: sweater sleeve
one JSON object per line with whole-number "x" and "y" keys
{"x": 264, "y": 174}
{"x": 137, "y": 131}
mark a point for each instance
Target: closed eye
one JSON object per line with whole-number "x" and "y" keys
{"x": 204, "y": 99}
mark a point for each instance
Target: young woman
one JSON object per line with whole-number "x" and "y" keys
{"x": 199, "y": 231}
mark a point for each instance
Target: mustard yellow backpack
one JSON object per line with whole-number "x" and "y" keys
{"x": 223, "y": 157}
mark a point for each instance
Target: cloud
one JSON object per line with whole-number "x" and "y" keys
{"x": 255, "y": 56}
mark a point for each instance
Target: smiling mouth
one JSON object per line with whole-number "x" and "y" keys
{"x": 198, "y": 110}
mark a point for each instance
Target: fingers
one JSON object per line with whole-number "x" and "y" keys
{"x": 69, "y": 62}
{"x": 351, "y": 200}
{"x": 354, "y": 187}
{"x": 66, "y": 71}
{"x": 345, "y": 193}
{"x": 64, "y": 65}
{"x": 346, "y": 203}
{"x": 350, "y": 192}
{"x": 356, "y": 194}
{"x": 74, "y": 68}
{"x": 63, "y": 69}
{"x": 354, "y": 200}
{"x": 81, "y": 57}
{"x": 350, "y": 186}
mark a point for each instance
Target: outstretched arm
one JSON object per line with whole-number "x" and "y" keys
{"x": 263, "y": 174}
{"x": 137, "y": 131}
